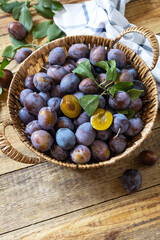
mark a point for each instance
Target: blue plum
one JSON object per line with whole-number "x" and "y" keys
{"x": 65, "y": 138}
{"x": 118, "y": 56}
{"x": 41, "y": 140}
{"x": 85, "y": 134}
{"x": 57, "y": 56}
{"x": 25, "y": 116}
{"x": 69, "y": 83}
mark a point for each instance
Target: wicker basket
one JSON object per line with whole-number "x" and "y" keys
{"x": 34, "y": 63}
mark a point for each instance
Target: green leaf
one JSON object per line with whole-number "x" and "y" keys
{"x": 124, "y": 111}
{"x": 84, "y": 69}
{"x": 45, "y": 3}
{"x": 4, "y": 63}
{"x": 1, "y": 73}
{"x": 45, "y": 12}
{"x": 62, "y": 34}
{"x": 112, "y": 64}
{"x": 105, "y": 65}
{"x": 53, "y": 32}
{"x": 120, "y": 86}
{"x": 130, "y": 113}
{"x": 89, "y": 103}
{"x": 8, "y": 7}
{"x": 4, "y": 1}
{"x": 110, "y": 67}
{"x": 18, "y": 42}
{"x": 114, "y": 74}
{"x": 16, "y": 12}
{"x": 41, "y": 29}
{"x": 26, "y": 18}
{"x": 57, "y": 6}
{"x": 134, "y": 93}
{"x": 9, "y": 52}
{"x": 1, "y": 90}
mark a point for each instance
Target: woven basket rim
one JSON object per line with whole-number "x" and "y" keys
{"x": 112, "y": 160}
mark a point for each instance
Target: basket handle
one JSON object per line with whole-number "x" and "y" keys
{"x": 147, "y": 34}
{"x": 10, "y": 151}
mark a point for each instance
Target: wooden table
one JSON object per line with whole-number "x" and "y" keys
{"x": 45, "y": 201}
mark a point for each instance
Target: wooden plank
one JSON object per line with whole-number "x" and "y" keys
{"x": 45, "y": 191}
{"x": 133, "y": 217}
{"x": 144, "y": 13}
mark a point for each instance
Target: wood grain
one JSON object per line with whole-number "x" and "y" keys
{"x": 119, "y": 219}
{"x": 44, "y": 191}
{"x": 144, "y": 13}
{"x": 46, "y": 201}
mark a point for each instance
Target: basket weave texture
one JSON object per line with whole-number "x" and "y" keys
{"x": 33, "y": 65}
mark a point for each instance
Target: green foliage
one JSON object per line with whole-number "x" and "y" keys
{"x": 120, "y": 86}
{"x": 84, "y": 69}
{"x": 8, "y": 7}
{"x": 3, "y": 1}
{"x": 44, "y": 12}
{"x": 41, "y": 29}
{"x": 89, "y": 103}
{"x": 4, "y": 63}
{"x": 110, "y": 67}
{"x": 56, "y": 6}
{"x": 53, "y": 32}
{"x": 128, "y": 112}
{"x": 20, "y": 11}
{"x": 9, "y": 52}
{"x": 26, "y": 18}
{"x": 134, "y": 94}
{"x": 16, "y": 12}
{"x": 18, "y": 42}
{"x": 45, "y": 3}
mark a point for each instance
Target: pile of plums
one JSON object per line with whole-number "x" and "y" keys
{"x": 55, "y": 121}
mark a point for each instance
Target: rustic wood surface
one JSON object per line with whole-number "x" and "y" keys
{"x": 44, "y": 202}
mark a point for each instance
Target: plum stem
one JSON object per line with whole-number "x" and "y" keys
{"x": 118, "y": 132}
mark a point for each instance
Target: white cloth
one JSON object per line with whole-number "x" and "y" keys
{"x": 105, "y": 18}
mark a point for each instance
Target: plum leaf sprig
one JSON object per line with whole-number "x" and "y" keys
{"x": 90, "y": 102}
{"x": 110, "y": 67}
{"x": 120, "y": 86}
{"x": 84, "y": 69}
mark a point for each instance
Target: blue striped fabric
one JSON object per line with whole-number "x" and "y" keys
{"x": 104, "y": 18}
